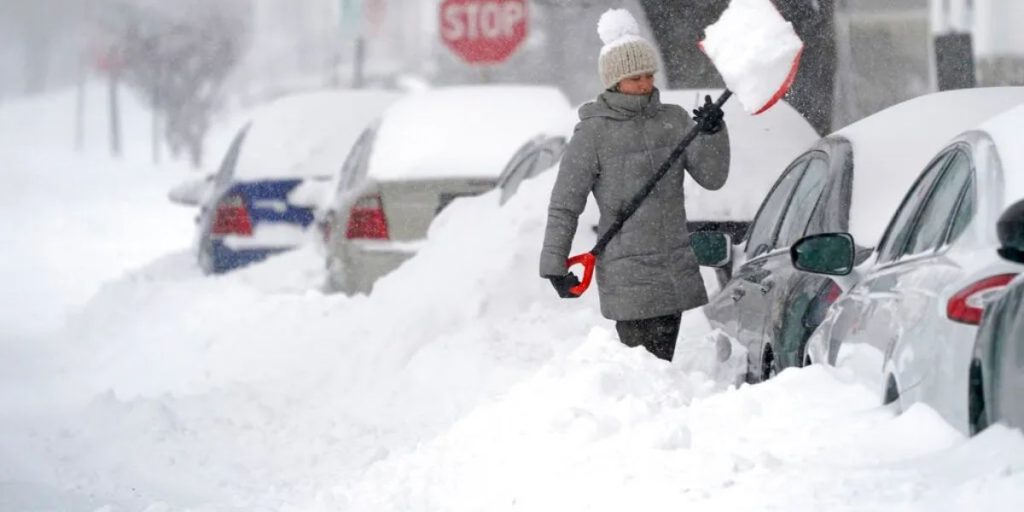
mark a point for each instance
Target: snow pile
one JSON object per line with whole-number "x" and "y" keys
{"x": 612, "y": 429}
{"x": 755, "y": 50}
{"x": 354, "y": 377}
{"x": 617, "y": 26}
{"x": 709, "y": 352}
{"x": 466, "y": 131}
{"x": 307, "y": 134}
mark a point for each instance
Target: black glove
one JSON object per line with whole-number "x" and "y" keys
{"x": 708, "y": 116}
{"x": 564, "y": 284}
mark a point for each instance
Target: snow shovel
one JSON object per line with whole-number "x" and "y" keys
{"x": 757, "y": 52}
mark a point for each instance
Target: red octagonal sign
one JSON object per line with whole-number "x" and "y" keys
{"x": 483, "y": 31}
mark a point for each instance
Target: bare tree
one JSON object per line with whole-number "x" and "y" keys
{"x": 178, "y": 54}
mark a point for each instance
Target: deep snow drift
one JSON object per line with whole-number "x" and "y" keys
{"x": 463, "y": 383}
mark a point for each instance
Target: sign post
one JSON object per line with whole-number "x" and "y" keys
{"x": 483, "y": 32}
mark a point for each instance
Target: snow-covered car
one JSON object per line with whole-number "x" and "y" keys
{"x": 276, "y": 172}
{"x": 427, "y": 150}
{"x": 848, "y": 182}
{"x": 908, "y": 323}
{"x": 997, "y": 366}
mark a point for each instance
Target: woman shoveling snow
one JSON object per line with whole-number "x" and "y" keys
{"x": 647, "y": 274}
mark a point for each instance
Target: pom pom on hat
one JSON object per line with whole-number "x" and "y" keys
{"x": 624, "y": 53}
{"x": 616, "y": 24}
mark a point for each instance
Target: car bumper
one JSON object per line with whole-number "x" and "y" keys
{"x": 357, "y": 266}
{"x": 220, "y": 259}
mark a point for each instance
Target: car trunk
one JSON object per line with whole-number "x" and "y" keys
{"x": 410, "y": 206}
{"x": 266, "y": 213}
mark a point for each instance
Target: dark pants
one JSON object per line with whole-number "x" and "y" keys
{"x": 658, "y": 335}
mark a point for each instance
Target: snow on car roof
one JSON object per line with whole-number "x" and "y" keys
{"x": 1005, "y": 131}
{"x": 464, "y": 131}
{"x": 307, "y": 134}
{"x": 760, "y": 148}
{"x": 892, "y": 147}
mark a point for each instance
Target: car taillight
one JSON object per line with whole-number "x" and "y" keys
{"x": 366, "y": 220}
{"x": 968, "y": 304}
{"x": 833, "y": 293}
{"x": 232, "y": 218}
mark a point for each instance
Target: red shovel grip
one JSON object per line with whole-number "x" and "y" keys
{"x": 588, "y": 260}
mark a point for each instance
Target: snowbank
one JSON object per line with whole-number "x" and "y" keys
{"x": 612, "y": 429}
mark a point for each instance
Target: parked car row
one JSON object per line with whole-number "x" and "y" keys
{"x": 264, "y": 196}
{"x": 370, "y": 169}
{"x": 860, "y": 259}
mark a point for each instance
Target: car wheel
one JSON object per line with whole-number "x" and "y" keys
{"x": 805, "y": 356}
{"x": 892, "y": 393}
{"x": 977, "y": 416}
{"x": 768, "y": 369}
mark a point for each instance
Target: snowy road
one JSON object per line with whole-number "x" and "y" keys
{"x": 132, "y": 382}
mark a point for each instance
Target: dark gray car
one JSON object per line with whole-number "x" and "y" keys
{"x": 996, "y": 392}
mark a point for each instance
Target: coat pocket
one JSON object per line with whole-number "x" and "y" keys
{"x": 633, "y": 270}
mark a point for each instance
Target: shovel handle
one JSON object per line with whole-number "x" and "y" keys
{"x": 589, "y": 261}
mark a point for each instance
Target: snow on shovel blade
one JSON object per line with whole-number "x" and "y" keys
{"x": 756, "y": 51}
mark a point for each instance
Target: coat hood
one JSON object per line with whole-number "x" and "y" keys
{"x": 621, "y": 107}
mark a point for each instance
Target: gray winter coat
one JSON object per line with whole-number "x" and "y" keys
{"x": 648, "y": 269}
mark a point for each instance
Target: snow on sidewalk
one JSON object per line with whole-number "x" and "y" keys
{"x": 613, "y": 429}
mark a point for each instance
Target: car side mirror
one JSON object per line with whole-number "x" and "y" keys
{"x": 713, "y": 249}
{"x": 1010, "y": 229}
{"x": 829, "y": 254}
{"x": 190, "y": 192}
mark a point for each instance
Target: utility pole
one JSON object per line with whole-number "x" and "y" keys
{"x": 157, "y": 104}
{"x": 358, "y": 62}
{"x": 80, "y": 105}
{"x": 113, "y": 77}
{"x": 350, "y": 20}
{"x": 954, "y": 49}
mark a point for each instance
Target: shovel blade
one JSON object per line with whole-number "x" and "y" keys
{"x": 756, "y": 51}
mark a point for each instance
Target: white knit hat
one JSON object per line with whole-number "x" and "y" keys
{"x": 625, "y": 53}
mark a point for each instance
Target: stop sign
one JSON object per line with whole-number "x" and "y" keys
{"x": 483, "y": 31}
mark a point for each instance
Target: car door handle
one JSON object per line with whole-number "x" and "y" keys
{"x": 738, "y": 294}
{"x": 767, "y": 286}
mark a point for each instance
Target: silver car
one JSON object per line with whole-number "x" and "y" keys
{"x": 426, "y": 151}
{"x": 908, "y": 324}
